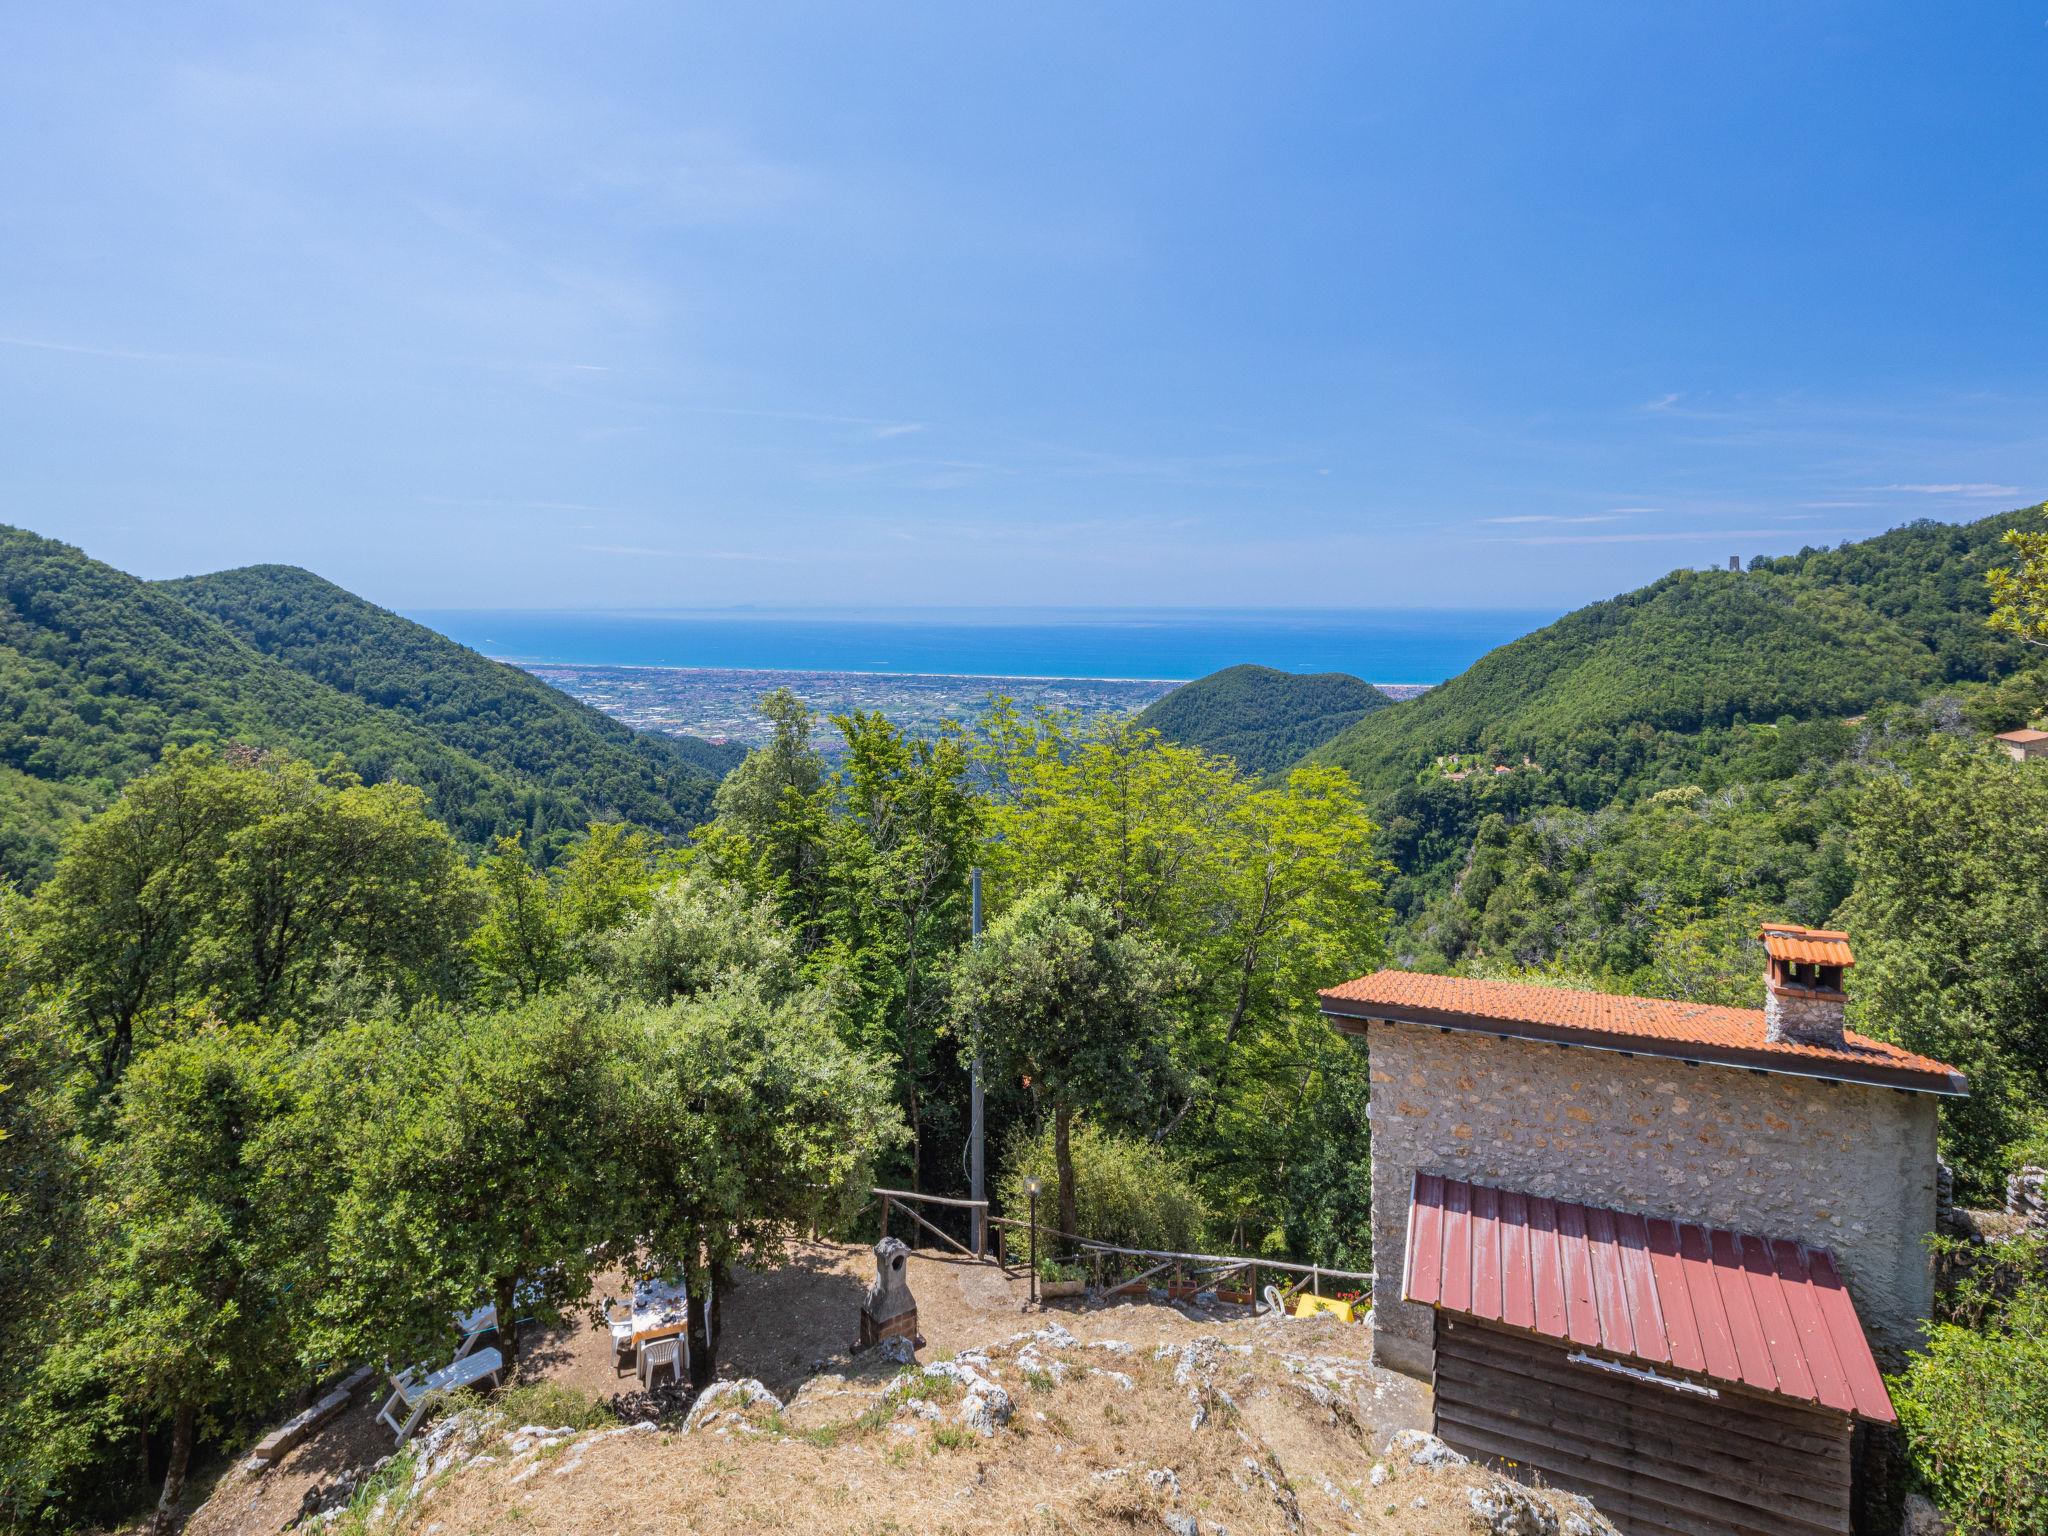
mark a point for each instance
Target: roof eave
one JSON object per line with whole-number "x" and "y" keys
{"x": 1344, "y": 1012}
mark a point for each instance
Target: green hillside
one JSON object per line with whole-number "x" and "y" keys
{"x": 1265, "y": 719}
{"x": 100, "y": 671}
{"x": 496, "y": 713}
{"x": 1640, "y": 691}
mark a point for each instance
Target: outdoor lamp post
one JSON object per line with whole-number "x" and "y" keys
{"x": 1031, "y": 1188}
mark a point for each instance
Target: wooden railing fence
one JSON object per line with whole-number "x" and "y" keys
{"x": 1188, "y": 1271}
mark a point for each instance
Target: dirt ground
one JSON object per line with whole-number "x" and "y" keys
{"x": 784, "y": 1326}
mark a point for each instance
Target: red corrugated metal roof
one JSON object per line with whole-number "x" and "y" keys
{"x": 1651, "y": 1026}
{"x": 1809, "y": 946}
{"x": 1766, "y": 1313}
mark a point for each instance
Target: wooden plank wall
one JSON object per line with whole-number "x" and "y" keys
{"x": 1657, "y": 1462}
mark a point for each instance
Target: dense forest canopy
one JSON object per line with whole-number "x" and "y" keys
{"x": 304, "y": 1048}
{"x": 1264, "y": 719}
{"x": 1640, "y": 692}
{"x": 100, "y": 672}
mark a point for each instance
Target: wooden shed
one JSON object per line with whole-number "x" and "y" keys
{"x": 1689, "y": 1380}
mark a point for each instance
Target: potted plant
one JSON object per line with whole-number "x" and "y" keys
{"x": 1061, "y": 1277}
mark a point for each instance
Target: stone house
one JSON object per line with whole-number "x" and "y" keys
{"x": 1557, "y": 1171}
{"x": 2021, "y": 746}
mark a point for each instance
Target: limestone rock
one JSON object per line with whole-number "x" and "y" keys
{"x": 1506, "y": 1510}
{"x": 1423, "y": 1449}
{"x": 986, "y": 1408}
{"x": 724, "y": 1399}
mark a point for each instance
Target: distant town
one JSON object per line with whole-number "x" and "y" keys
{"x": 719, "y": 704}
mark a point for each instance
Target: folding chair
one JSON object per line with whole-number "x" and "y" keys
{"x": 416, "y": 1395}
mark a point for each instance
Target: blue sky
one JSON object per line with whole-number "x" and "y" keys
{"x": 619, "y": 305}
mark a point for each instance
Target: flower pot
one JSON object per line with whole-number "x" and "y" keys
{"x": 1052, "y": 1289}
{"x": 1236, "y": 1296}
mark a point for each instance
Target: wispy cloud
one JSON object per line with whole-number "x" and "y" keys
{"x": 644, "y": 552}
{"x": 117, "y": 354}
{"x": 1551, "y": 517}
{"x": 1970, "y": 488}
{"x": 515, "y": 504}
{"x": 1682, "y": 536}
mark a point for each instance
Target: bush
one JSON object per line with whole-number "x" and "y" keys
{"x": 1130, "y": 1192}
{"x": 1974, "y": 1408}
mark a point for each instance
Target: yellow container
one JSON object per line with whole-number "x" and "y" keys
{"x": 1309, "y": 1306}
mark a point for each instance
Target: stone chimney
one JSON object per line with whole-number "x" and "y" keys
{"x": 1803, "y": 999}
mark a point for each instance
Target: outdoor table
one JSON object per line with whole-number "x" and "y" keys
{"x": 660, "y": 1310}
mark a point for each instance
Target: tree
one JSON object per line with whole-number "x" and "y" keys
{"x": 735, "y": 1121}
{"x": 43, "y": 1172}
{"x": 1057, "y": 993}
{"x": 608, "y": 876}
{"x": 1973, "y": 1403}
{"x": 520, "y": 946}
{"x": 184, "y": 1316}
{"x": 1952, "y": 943}
{"x": 772, "y": 811}
{"x": 2019, "y": 592}
{"x": 697, "y": 932}
{"x": 479, "y": 1170}
{"x": 900, "y": 847}
{"x": 1265, "y": 892}
{"x": 241, "y": 882}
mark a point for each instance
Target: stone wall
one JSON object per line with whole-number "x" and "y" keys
{"x": 1840, "y": 1166}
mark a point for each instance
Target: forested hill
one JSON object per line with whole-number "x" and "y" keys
{"x": 1263, "y": 718}
{"x": 100, "y": 671}
{"x": 495, "y": 712}
{"x": 1638, "y": 691}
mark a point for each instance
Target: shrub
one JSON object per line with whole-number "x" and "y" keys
{"x": 1130, "y": 1192}
{"x": 1974, "y": 1408}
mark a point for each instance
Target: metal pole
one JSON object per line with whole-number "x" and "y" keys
{"x": 975, "y": 1166}
{"x": 1034, "y": 1242}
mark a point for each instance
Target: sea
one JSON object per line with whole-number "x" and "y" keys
{"x": 1391, "y": 646}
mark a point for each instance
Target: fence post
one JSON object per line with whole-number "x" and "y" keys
{"x": 1315, "y": 1276}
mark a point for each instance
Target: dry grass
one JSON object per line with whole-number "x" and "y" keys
{"x": 1292, "y": 1417}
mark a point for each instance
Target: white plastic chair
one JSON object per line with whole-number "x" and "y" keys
{"x": 416, "y": 1394}
{"x": 655, "y": 1354}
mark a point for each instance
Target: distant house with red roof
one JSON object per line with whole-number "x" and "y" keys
{"x": 1607, "y": 1224}
{"x": 2021, "y": 746}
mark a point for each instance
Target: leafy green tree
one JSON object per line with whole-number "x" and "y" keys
{"x": 607, "y": 877}
{"x": 239, "y": 882}
{"x": 900, "y": 845}
{"x": 1974, "y": 1402}
{"x": 183, "y": 1318}
{"x": 773, "y": 812}
{"x": 1951, "y": 940}
{"x": 478, "y": 1170}
{"x": 520, "y": 946}
{"x": 697, "y": 932}
{"x": 1264, "y": 892}
{"x": 43, "y": 1172}
{"x": 1128, "y": 1190}
{"x": 1326, "y": 1178}
{"x": 1057, "y": 993}
{"x": 734, "y": 1122}
{"x": 2019, "y": 592}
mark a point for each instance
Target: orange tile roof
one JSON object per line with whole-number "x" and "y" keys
{"x": 1650, "y": 1026}
{"x": 1809, "y": 946}
{"x": 2023, "y": 736}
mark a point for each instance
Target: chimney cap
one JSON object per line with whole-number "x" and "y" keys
{"x": 1806, "y": 946}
